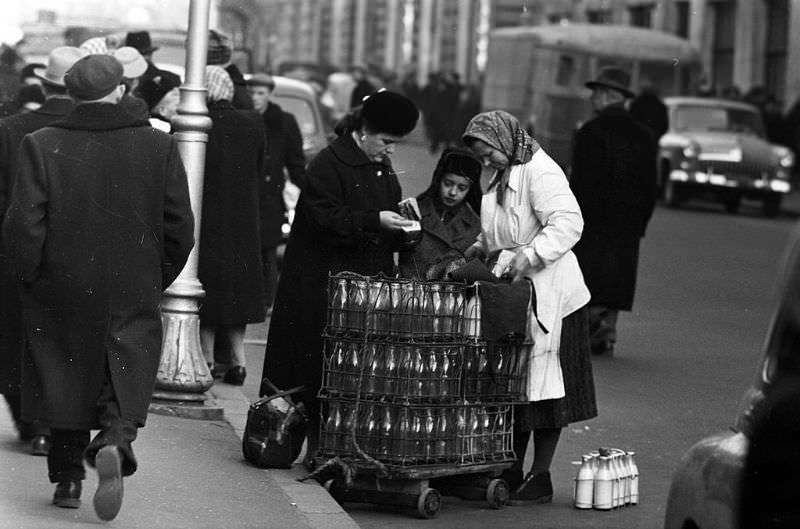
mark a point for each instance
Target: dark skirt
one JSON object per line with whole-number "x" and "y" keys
{"x": 578, "y": 404}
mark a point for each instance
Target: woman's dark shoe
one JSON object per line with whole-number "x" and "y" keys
{"x": 235, "y": 376}
{"x": 68, "y": 495}
{"x": 536, "y": 488}
{"x": 40, "y": 445}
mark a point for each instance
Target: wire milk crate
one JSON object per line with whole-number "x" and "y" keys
{"x": 394, "y": 309}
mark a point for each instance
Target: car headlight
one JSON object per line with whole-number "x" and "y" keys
{"x": 690, "y": 151}
{"x": 784, "y": 154}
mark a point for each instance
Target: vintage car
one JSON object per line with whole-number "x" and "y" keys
{"x": 718, "y": 148}
{"x": 717, "y": 476}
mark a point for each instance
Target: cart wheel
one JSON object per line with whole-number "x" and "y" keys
{"x": 428, "y": 503}
{"x": 497, "y": 493}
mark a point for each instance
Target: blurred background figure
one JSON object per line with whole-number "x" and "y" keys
{"x": 648, "y": 109}
{"x": 219, "y": 54}
{"x": 140, "y": 40}
{"x": 363, "y": 87}
{"x": 283, "y": 155}
{"x": 230, "y": 261}
{"x": 30, "y": 97}
{"x": 134, "y": 67}
{"x": 26, "y": 78}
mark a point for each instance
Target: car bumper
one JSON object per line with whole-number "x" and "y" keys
{"x": 716, "y": 181}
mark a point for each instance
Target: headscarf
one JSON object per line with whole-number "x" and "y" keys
{"x": 463, "y": 163}
{"x": 219, "y": 84}
{"x": 502, "y": 131}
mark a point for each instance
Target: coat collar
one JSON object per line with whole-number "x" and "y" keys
{"x": 345, "y": 149}
{"x": 272, "y": 115}
{"x": 463, "y": 219}
{"x": 55, "y": 106}
{"x": 99, "y": 116}
{"x": 615, "y": 110}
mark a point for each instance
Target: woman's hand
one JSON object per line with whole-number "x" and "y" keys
{"x": 393, "y": 221}
{"x": 519, "y": 267}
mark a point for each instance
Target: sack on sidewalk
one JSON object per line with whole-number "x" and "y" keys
{"x": 275, "y": 429}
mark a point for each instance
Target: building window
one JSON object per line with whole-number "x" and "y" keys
{"x": 559, "y": 18}
{"x": 682, "y": 19}
{"x": 723, "y": 45}
{"x": 641, "y": 15}
{"x": 776, "y": 48}
{"x": 599, "y": 16}
{"x": 566, "y": 70}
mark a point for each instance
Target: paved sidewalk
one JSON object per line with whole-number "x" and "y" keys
{"x": 191, "y": 475}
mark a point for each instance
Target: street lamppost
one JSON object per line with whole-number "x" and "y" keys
{"x": 183, "y": 374}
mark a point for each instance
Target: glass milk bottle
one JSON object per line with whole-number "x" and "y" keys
{"x": 603, "y": 497}
{"x": 584, "y": 484}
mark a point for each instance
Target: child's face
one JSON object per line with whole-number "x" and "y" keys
{"x": 453, "y": 189}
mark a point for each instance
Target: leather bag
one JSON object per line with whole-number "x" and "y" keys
{"x": 274, "y": 433}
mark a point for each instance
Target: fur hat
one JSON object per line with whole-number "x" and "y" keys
{"x": 390, "y": 113}
{"x": 614, "y": 78}
{"x": 93, "y": 77}
{"x": 154, "y": 89}
{"x": 219, "y": 49}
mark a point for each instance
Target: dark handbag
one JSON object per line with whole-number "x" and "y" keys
{"x": 273, "y": 435}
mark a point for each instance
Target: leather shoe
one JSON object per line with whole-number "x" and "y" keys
{"x": 68, "y": 495}
{"x": 40, "y": 445}
{"x": 108, "y": 497}
{"x": 235, "y": 376}
{"x": 536, "y": 488}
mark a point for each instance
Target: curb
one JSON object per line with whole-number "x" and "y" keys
{"x": 319, "y": 509}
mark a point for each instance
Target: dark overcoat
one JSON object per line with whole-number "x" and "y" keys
{"x": 99, "y": 222}
{"x": 12, "y": 129}
{"x": 614, "y": 180}
{"x": 230, "y": 253}
{"x": 336, "y": 228}
{"x": 284, "y": 150}
{"x": 440, "y": 242}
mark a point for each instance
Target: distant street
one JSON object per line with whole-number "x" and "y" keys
{"x": 683, "y": 360}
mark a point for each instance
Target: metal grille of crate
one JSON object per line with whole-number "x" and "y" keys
{"x": 395, "y": 309}
{"x": 392, "y": 371}
{"x": 417, "y": 435}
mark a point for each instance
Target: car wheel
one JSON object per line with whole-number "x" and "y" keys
{"x": 673, "y": 195}
{"x": 772, "y": 205}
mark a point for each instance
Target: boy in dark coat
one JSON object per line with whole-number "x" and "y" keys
{"x": 98, "y": 224}
{"x": 614, "y": 180}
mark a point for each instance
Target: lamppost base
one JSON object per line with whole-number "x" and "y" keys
{"x": 187, "y": 409}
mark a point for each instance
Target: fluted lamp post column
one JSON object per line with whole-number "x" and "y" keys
{"x": 183, "y": 374}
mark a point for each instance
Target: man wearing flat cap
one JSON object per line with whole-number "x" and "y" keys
{"x": 12, "y": 129}
{"x": 98, "y": 224}
{"x": 614, "y": 180}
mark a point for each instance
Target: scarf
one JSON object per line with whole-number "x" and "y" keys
{"x": 502, "y": 131}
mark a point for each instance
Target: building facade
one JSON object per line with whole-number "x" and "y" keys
{"x": 743, "y": 43}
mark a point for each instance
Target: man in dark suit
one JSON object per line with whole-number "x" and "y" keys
{"x": 57, "y": 105}
{"x": 284, "y": 152}
{"x": 108, "y": 194}
{"x": 614, "y": 180}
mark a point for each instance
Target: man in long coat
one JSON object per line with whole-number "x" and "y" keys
{"x": 614, "y": 179}
{"x": 99, "y": 223}
{"x": 284, "y": 151}
{"x": 12, "y": 128}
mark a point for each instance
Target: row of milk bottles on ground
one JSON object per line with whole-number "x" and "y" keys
{"x": 607, "y": 479}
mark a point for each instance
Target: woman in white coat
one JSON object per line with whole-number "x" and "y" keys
{"x": 530, "y": 211}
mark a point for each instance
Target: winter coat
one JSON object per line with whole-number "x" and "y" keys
{"x": 98, "y": 224}
{"x": 241, "y": 95}
{"x": 441, "y": 243}
{"x": 12, "y": 129}
{"x": 229, "y": 265}
{"x": 614, "y": 179}
{"x": 284, "y": 150}
{"x": 336, "y": 228}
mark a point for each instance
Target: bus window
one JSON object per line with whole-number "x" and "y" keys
{"x": 660, "y": 75}
{"x": 566, "y": 70}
